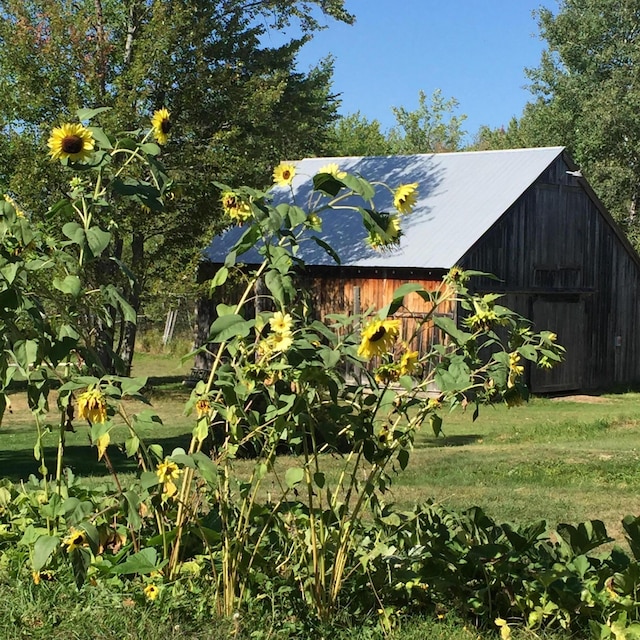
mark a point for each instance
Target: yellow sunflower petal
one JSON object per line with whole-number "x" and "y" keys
{"x": 71, "y": 141}
{"x": 283, "y": 174}
{"x": 161, "y": 125}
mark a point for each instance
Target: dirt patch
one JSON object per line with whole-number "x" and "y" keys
{"x": 583, "y": 398}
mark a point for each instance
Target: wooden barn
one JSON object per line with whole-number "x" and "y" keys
{"x": 525, "y": 215}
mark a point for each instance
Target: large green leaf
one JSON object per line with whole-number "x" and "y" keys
{"x": 88, "y": 114}
{"x": 229, "y": 326}
{"x": 142, "y": 563}
{"x": 98, "y": 240}
{"x": 43, "y": 549}
{"x": 75, "y": 232}
{"x": 69, "y": 284}
{"x": 293, "y": 476}
{"x": 101, "y": 137}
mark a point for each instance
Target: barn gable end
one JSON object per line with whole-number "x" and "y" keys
{"x": 566, "y": 265}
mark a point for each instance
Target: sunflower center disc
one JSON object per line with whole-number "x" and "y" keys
{"x": 72, "y": 144}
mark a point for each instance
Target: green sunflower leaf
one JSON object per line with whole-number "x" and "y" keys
{"x": 100, "y": 137}
{"x": 226, "y": 327}
{"x": 220, "y": 278}
{"x": 293, "y": 476}
{"x": 74, "y": 232}
{"x": 143, "y": 562}
{"x": 43, "y": 549}
{"x": 88, "y": 114}
{"x": 327, "y": 183}
{"x": 150, "y": 148}
{"x": 69, "y": 284}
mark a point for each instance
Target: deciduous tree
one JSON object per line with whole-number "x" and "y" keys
{"x": 237, "y": 104}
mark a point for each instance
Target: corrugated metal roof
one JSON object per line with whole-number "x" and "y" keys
{"x": 461, "y": 195}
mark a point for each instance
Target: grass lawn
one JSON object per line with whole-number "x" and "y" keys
{"x": 562, "y": 460}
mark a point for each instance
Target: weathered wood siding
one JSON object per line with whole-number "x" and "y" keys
{"x": 567, "y": 267}
{"x": 357, "y": 290}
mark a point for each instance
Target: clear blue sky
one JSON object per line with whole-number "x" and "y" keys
{"x": 473, "y": 50}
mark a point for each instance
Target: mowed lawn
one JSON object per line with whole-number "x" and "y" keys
{"x": 562, "y": 460}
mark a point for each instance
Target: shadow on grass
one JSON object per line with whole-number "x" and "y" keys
{"x": 82, "y": 460}
{"x": 449, "y": 441}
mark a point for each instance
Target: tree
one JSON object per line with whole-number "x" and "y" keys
{"x": 431, "y": 128}
{"x": 237, "y": 106}
{"x": 587, "y": 97}
{"x": 354, "y": 135}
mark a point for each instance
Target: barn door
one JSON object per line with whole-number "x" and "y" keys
{"x": 566, "y": 319}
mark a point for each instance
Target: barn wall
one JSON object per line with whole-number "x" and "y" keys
{"x": 564, "y": 266}
{"x": 339, "y": 292}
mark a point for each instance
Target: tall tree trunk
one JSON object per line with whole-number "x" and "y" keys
{"x": 129, "y": 329}
{"x": 101, "y": 54}
{"x": 105, "y": 335}
{"x": 203, "y": 318}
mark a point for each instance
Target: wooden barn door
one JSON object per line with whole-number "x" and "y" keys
{"x": 566, "y": 319}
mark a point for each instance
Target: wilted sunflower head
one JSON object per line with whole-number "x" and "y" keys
{"x": 71, "y": 141}
{"x": 283, "y": 174}
{"x": 408, "y": 362}
{"x": 381, "y": 239}
{"x": 405, "y": 196}
{"x": 167, "y": 471}
{"x": 92, "y": 406}
{"x": 235, "y": 207}
{"x": 203, "y": 408}
{"x": 378, "y": 337}
{"x": 161, "y": 125}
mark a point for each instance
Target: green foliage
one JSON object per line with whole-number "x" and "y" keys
{"x": 237, "y": 107}
{"x": 586, "y": 98}
{"x": 354, "y": 135}
{"x": 432, "y": 127}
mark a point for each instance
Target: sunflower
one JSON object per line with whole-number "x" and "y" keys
{"x": 381, "y": 239}
{"x": 378, "y": 338}
{"x": 387, "y": 373}
{"x": 405, "y": 196}
{"x": 12, "y": 202}
{"x": 161, "y": 125}
{"x": 167, "y": 471}
{"x": 408, "y": 363}
{"x": 314, "y": 221}
{"x": 283, "y": 174}
{"x": 72, "y": 141}
{"x": 281, "y": 323}
{"x": 515, "y": 369}
{"x": 203, "y": 407}
{"x": 333, "y": 170}
{"x": 235, "y": 207}
{"x": 92, "y": 406}
{"x": 280, "y": 342}
{"x": 151, "y": 592}
{"x": 75, "y": 540}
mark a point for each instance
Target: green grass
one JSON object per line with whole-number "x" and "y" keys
{"x": 55, "y": 611}
{"x": 559, "y": 460}
{"x": 562, "y": 460}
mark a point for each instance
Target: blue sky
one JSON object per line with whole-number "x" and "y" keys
{"x": 472, "y": 50}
